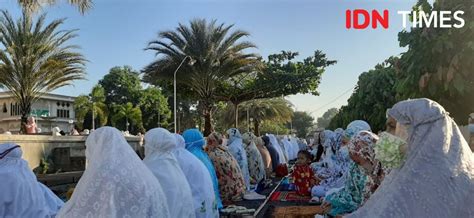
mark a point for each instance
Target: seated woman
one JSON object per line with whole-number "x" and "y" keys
{"x": 273, "y": 152}
{"x": 254, "y": 158}
{"x": 115, "y": 183}
{"x": 237, "y": 150}
{"x": 199, "y": 179}
{"x": 231, "y": 180}
{"x": 266, "y": 156}
{"x": 281, "y": 153}
{"x": 158, "y": 158}
{"x": 353, "y": 128}
{"x": 22, "y": 195}
{"x": 331, "y": 169}
{"x": 364, "y": 176}
{"x": 194, "y": 144}
{"x": 437, "y": 176}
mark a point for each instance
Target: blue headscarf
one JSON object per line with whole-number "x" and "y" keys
{"x": 194, "y": 143}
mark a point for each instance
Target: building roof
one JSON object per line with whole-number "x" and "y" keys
{"x": 48, "y": 96}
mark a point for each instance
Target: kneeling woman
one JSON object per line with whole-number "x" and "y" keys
{"x": 229, "y": 175}
{"x": 22, "y": 195}
{"x": 158, "y": 158}
{"x": 116, "y": 183}
{"x": 365, "y": 174}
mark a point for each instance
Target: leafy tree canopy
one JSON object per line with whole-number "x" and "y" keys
{"x": 372, "y": 97}
{"x": 323, "y": 121}
{"x": 439, "y": 62}
{"x": 302, "y": 122}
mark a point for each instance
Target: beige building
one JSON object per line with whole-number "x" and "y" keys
{"x": 50, "y": 110}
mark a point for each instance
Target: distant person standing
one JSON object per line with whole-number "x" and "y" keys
{"x": 31, "y": 125}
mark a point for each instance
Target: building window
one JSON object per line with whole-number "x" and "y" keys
{"x": 14, "y": 109}
{"x": 61, "y": 113}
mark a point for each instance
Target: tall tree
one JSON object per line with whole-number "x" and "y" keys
{"x": 154, "y": 107}
{"x": 93, "y": 103}
{"x": 277, "y": 109}
{"x": 280, "y": 76}
{"x": 374, "y": 94}
{"x": 324, "y": 120}
{"x": 37, "y": 59}
{"x": 33, "y": 6}
{"x": 121, "y": 85}
{"x": 217, "y": 52}
{"x": 129, "y": 113}
{"x": 439, "y": 61}
{"x": 302, "y": 122}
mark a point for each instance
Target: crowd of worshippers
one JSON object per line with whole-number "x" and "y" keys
{"x": 421, "y": 166}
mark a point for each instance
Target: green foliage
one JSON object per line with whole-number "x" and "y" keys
{"x": 154, "y": 107}
{"x": 275, "y": 128}
{"x": 121, "y": 85}
{"x": 372, "y": 97}
{"x": 217, "y": 53}
{"x": 129, "y": 113}
{"x": 276, "y": 109}
{"x": 94, "y": 102}
{"x": 36, "y": 58}
{"x": 33, "y": 6}
{"x": 324, "y": 120}
{"x": 302, "y": 122}
{"x": 439, "y": 62}
{"x": 280, "y": 76}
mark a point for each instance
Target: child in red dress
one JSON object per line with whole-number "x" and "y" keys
{"x": 303, "y": 176}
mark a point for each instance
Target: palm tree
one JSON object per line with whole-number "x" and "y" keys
{"x": 36, "y": 59}
{"x": 217, "y": 53}
{"x": 277, "y": 110}
{"x": 33, "y": 6}
{"x": 93, "y": 103}
{"x": 129, "y": 113}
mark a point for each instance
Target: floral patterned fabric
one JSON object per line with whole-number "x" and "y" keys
{"x": 229, "y": 175}
{"x": 388, "y": 150}
{"x": 355, "y": 127}
{"x": 360, "y": 183}
{"x": 303, "y": 177}
{"x": 254, "y": 158}
{"x": 350, "y": 197}
{"x": 194, "y": 144}
{"x": 437, "y": 176}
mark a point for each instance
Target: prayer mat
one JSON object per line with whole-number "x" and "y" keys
{"x": 296, "y": 212}
{"x": 289, "y": 196}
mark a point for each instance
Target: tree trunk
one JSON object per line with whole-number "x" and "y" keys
{"x": 236, "y": 111}
{"x": 93, "y": 115}
{"x": 25, "y": 108}
{"x": 256, "y": 127}
{"x": 207, "y": 123}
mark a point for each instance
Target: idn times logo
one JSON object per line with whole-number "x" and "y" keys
{"x": 362, "y": 19}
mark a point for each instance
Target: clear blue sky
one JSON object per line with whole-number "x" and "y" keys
{"x": 115, "y": 32}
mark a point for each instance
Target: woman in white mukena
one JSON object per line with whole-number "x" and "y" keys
{"x": 159, "y": 144}
{"x": 116, "y": 183}
{"x": 199, "y": 179}
{"x": 21, "y": 194}
{"x": 437, "y": 176}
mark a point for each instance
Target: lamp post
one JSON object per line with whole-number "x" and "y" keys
{"x": 191, "y": 62}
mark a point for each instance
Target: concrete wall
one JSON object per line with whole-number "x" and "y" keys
{"x": 35, "y": 147}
